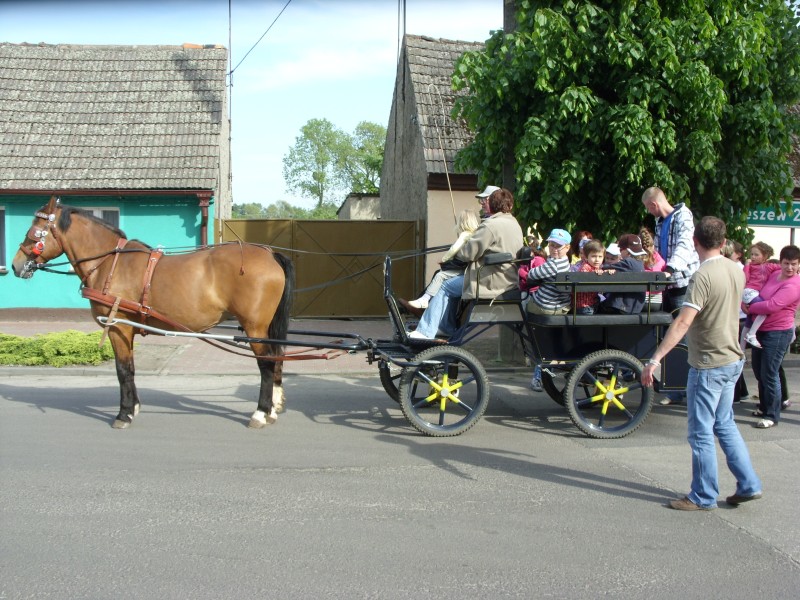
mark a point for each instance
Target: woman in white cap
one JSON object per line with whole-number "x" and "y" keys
{"x": 501, "y": 234}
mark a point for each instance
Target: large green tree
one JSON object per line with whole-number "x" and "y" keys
{"x": 326, "y": 160}
{"x": 594, "y": 101}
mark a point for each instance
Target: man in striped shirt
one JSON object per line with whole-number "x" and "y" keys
{"x": 547, "y": 300}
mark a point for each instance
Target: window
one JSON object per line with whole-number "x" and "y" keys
{"x": 3, "y": 239}
{"x": 109, "y": 215}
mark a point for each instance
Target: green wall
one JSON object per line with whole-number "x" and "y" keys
{"x": 172, "y": 222}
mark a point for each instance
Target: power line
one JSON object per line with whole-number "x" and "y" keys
{"x": 261, "y": 38}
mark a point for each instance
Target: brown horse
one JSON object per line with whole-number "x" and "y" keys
{"x": 189, "y": 292}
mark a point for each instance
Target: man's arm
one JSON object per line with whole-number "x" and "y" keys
{"x": 674, "y": 335}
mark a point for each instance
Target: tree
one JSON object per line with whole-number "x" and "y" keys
{"x": 251, "y": 210}
{"x": 361, "y": 160}
{"x": 325, "y": 160}
{"x": 596, "y": 101}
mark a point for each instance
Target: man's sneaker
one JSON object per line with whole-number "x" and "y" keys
{"x": 736, "y": 499}
{"x": 416, "y": 335}
{"x": 672, "y": 400}
{"x": 786, "y": 404}
{"x": 536, "y": 384}
{"x": 686, "y": 504}
{"x": 751, "y": 339}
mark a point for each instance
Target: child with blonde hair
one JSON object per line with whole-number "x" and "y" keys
{"x": 466, "y": 224}
{"x": 756, "y": 273}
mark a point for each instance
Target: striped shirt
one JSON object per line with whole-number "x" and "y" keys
{"x": 548, "y": 296}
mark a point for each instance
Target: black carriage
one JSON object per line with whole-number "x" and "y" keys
{"x": 592, "y": 364}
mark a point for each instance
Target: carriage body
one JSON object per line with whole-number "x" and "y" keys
{"x": 591, "y": 363}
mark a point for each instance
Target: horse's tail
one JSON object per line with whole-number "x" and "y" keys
{"x": 278, "y": 329}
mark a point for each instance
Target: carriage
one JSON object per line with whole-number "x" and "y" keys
{"x": 591, "y": 363}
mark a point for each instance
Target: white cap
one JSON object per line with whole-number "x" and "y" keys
{"x": 613, "y": 249}
{"x": 490, "y": 189}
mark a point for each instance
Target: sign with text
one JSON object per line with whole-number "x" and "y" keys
{"x": 765, "y": 216}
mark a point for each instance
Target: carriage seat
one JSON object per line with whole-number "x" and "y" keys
{"x": 618, "y": 282}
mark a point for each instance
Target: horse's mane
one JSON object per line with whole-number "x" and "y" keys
{"x": 65, "y": 220}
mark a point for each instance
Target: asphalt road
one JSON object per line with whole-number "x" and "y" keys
{"x": 343, "y": 499}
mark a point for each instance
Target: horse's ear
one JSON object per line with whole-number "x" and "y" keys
{"x": 51, "y": 206}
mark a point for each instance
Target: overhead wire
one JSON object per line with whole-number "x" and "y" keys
{"x": 261, "y": 38}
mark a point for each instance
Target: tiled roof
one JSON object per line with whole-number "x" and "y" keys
{"x": 111, "y": 117}
{"x": 431, "y": 63}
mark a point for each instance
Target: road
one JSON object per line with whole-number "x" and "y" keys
{"x": 343, "y": 499}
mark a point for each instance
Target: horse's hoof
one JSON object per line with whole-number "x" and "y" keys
{"x": 260, "y": 419}
{"x": 120, "y": 424}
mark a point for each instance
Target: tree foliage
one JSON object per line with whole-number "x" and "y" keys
{"x": 283, "y": 210}
{"x": 326, "y": 160}
{"x": 597, "y": 100}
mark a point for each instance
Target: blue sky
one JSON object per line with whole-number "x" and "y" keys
{"x": 332, "y": 59}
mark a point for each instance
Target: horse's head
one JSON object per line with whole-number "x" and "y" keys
{"x": 41, "y": 242}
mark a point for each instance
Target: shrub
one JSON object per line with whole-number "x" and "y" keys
{"x": 55, "y": 349}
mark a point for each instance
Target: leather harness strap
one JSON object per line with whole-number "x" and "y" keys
{"x": 155, "y": 256}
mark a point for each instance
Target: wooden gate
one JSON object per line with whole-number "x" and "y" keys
{"x": 339, "y": 264}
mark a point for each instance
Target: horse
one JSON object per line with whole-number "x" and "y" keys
{"x": 192, "y": 291}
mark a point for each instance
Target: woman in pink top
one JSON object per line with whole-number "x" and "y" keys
{"x": 781, "y": 297}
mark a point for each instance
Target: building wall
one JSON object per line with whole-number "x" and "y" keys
{"x": 360, "y": 207}
{"x": 173, "y": 222}
{"x": 404, "y": 176}
{"x": 440, "y": 226}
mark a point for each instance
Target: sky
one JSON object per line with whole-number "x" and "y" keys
{"x": 322, "y": 59}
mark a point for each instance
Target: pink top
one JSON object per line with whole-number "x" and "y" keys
{"x": 781, "y": 299}
{"x": 658, "y": 262}
{"x": 756, "y": 275}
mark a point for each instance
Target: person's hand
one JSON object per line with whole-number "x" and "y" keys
{"x": 648, "y": 372}
{"x": 745, "y": 308}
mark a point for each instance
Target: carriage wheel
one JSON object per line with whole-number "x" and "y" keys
{"x": 446, "y": 394}
{"x": 554, "y": 381}
{"x": 605, "y": 396}
{"x": 390, "y": 375}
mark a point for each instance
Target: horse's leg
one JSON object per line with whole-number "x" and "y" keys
{"x": 270, "y": 396}
{"x": 278, "y": 394}
{"x": 122, "y": 343}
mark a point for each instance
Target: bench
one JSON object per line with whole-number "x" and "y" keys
{"x": 575, "y": 283}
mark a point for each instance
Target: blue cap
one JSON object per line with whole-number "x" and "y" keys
{"x": 561, "y": 236}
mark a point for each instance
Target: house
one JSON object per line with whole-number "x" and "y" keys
{"x": 136, "y": 134}
{"x": 419, "y": 181}
{"x": 360, "y": 207}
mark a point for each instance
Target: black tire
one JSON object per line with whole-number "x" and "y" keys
{"x": 621, "y": 408}
{"x": 390, "y": 375}
{"x": 461, "y": 406}
{"x": 555, "y": 384}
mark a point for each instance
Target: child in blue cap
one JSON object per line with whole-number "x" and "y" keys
{"x": 547, "y": 299}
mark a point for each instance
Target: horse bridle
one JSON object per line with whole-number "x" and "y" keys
{"x": 39, "y": 235}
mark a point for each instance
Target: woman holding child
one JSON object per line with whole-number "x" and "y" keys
{"x": 781, "y": 297}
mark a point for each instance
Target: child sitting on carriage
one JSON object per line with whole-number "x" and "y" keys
{"x": 631, "y": 261}
{"x": 466, "y": 224}
{"x": 592, "y": 255}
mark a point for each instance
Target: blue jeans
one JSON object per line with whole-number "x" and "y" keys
{"x": 767, "y": 361}
{"x": 710, "y": 412}
{"x": 441, "y": 312}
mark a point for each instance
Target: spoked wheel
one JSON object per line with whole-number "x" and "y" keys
{"x": 554, "y": 381}
{"x": 606, "y": 398}
{"x": 390, "y": 375}
{"x": 446, "y": 394}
